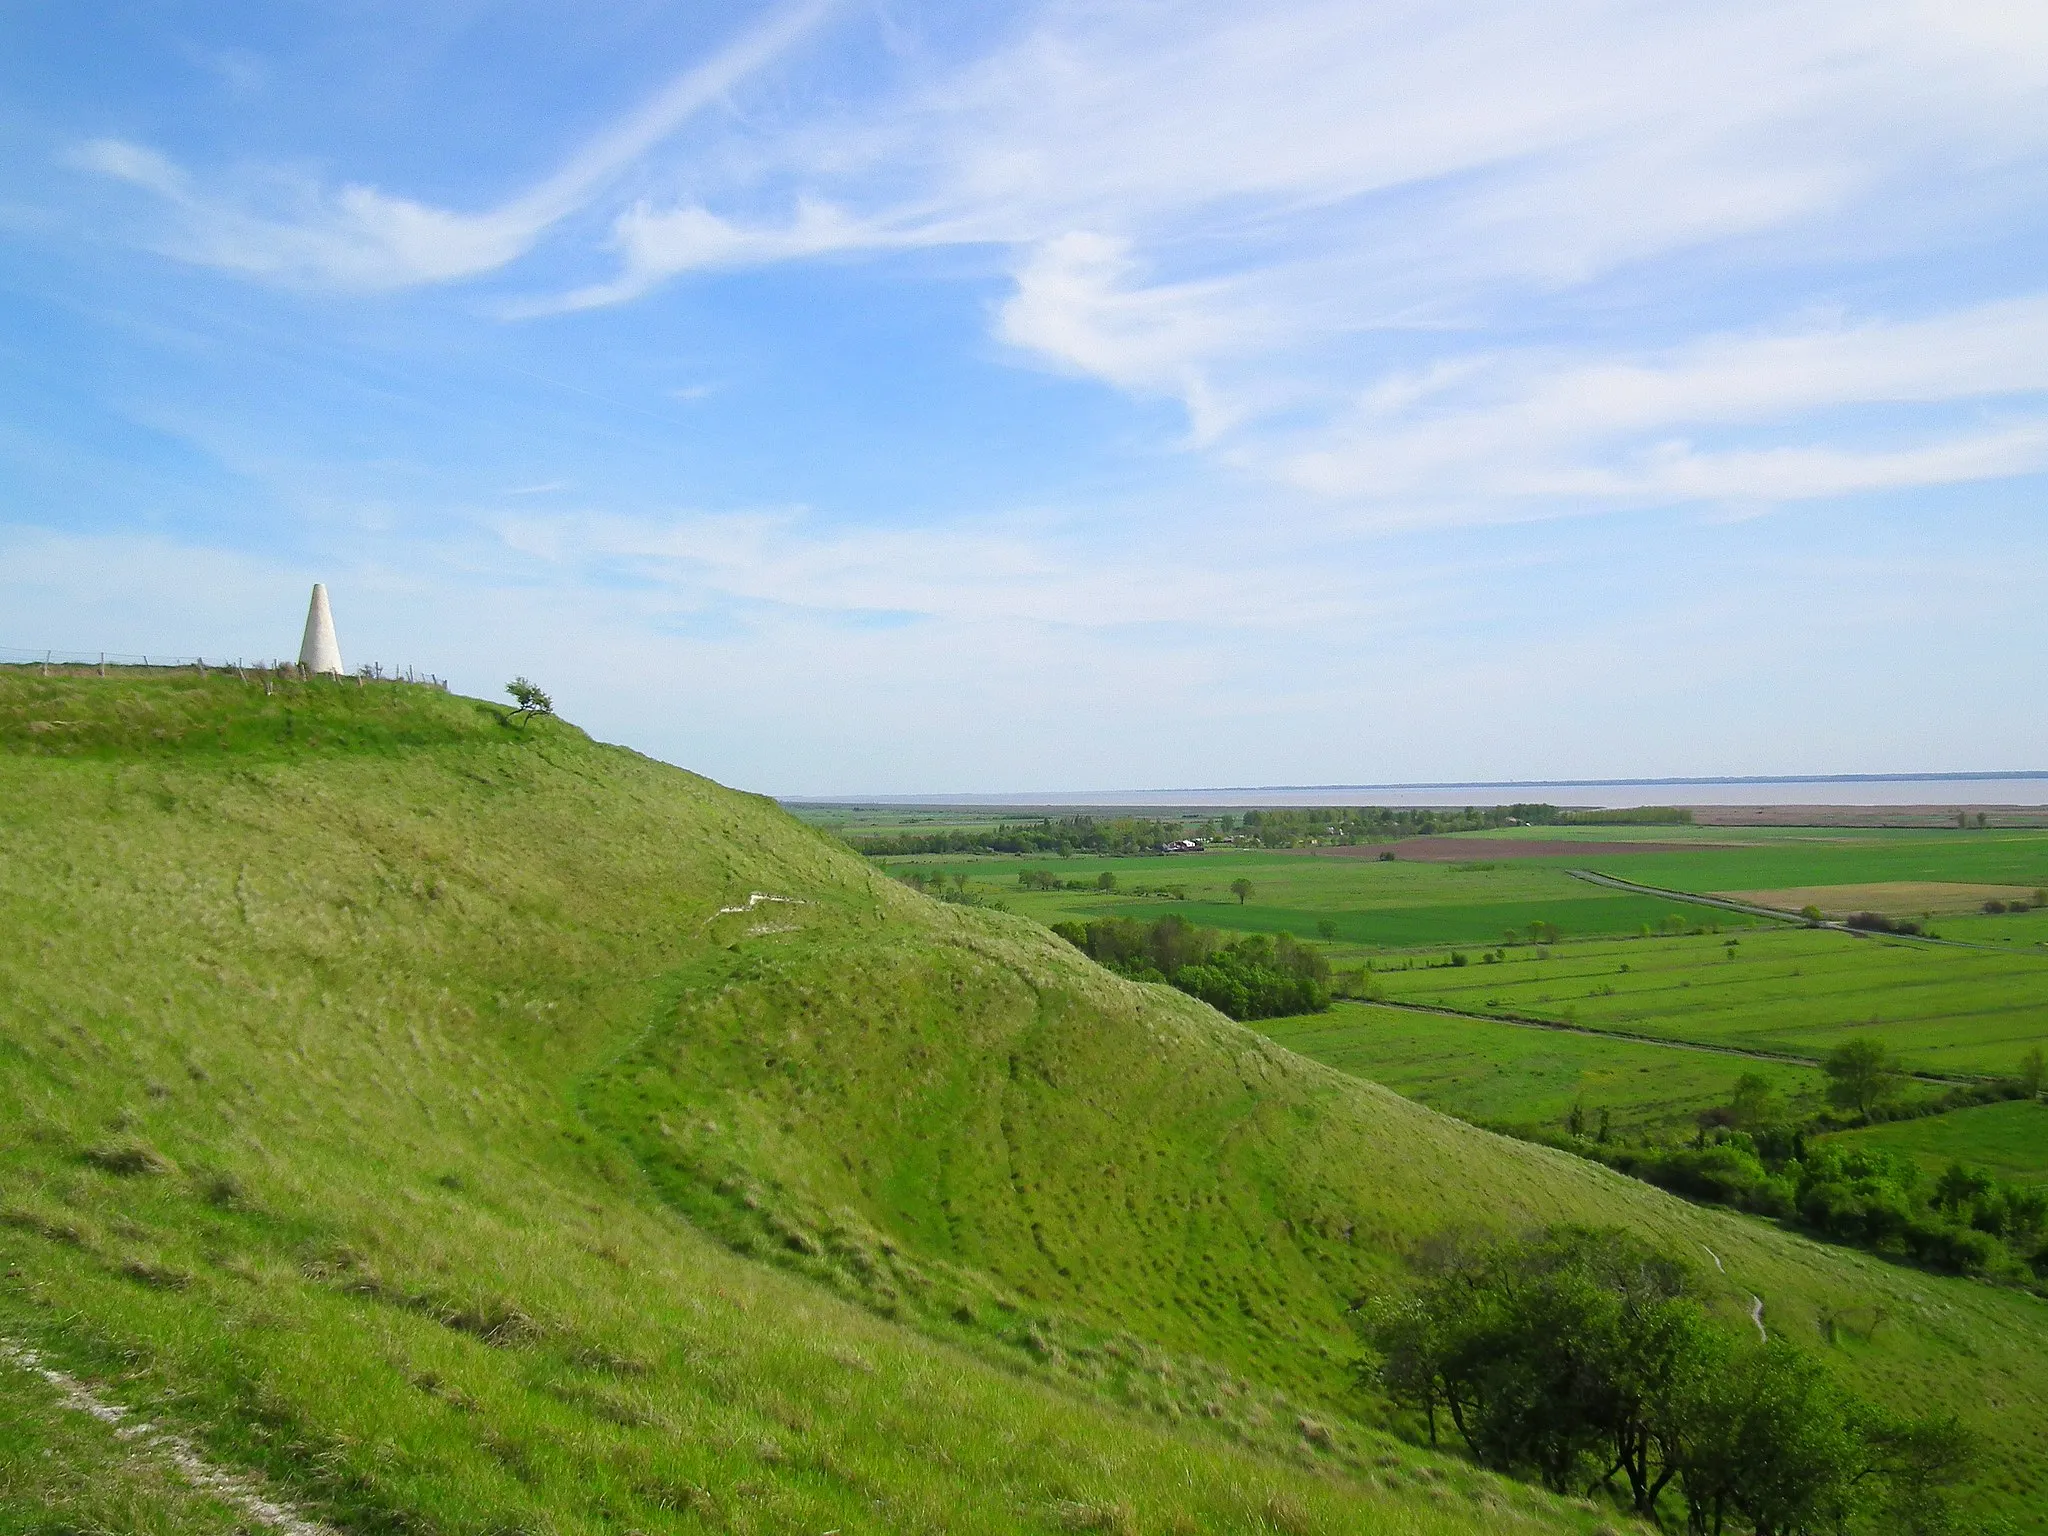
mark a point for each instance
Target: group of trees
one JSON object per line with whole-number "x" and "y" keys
{"x": 953, "y": 888}
{"x": 1106, "y": 882}
{"x": 2016, "y": 903}
{"x": 1866, "y": 1080}
{"x": 1062, "y": 836}
{"x": 1253, "y": 977}
{"x": 1965, "y": 1222}
{"x": 1582, "y": 1356}
{"x": 1292, "y": 826}
{"x": 1751, "y": 1154}
{"x": 1280, "y": 827}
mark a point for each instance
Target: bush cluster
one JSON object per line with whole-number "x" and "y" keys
{"x": 1966, "y": 1222}
{"x": 941, "y": 887}
{"x": 1877, "y": 922}
{"x": 1582, "y": 1356}
{"x": 1750, "y": 1155}
{"x": 1253, "y": 977}
{"x": 1046, "y": 880}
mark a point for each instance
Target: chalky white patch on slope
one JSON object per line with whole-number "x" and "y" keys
{"x": 1756, "y": 1303}
{"x": 754, "y": 899}
{"x": 228, "y": 1487}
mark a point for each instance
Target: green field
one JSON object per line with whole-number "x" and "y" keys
{"x": 2009, "y": 1140}
{"x": 2020, "y": 929}
{"x": 1779, "y": 989}
{"x": 1797, "y": 991}
{"x": 1800, "y": 857}
{"x": 476, "y": 1129}
{"x": 1509, "y": 1074}
{"x": 1372, "y": 905}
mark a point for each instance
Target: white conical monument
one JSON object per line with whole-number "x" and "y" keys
{"x": 320, "y": 651}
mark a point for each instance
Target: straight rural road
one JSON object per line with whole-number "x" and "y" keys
{"x": 1594, "y": 877}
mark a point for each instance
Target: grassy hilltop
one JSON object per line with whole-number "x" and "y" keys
{"x": 476, "y": 1128}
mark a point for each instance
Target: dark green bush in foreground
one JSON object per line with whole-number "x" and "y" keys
{"x": 1254, "y": 977}
{"x": 1583, "y": 1356}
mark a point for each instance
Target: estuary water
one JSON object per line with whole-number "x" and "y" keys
{"x": 1959, "y": 790}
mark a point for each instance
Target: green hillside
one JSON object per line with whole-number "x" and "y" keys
{"x": 475, "y": 1128}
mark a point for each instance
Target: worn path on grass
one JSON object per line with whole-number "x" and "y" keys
{"x": 233, "y": 1488}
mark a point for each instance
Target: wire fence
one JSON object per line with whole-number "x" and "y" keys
{"x": 73, "y": 663}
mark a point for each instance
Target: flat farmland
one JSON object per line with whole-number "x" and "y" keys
{"x": 1497, "y": 1073}
{"x": 2010, "y": 1140}
{"x": 2007, "y": 928}
{"x": 1894, "y": 898}
{"x": 1943, "y": 1008}
{"x": 1370, "y": 904}
{"x": 1786, "y": 859}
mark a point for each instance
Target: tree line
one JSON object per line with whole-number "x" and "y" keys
{"x": 1294, "y": 826}
{"x": 1106, "y": 882}
{"x": 1750, "y": 1153}
{"x": 1587, "y": 1359}
{"x": 1278, "y": 827}
{"x": 1249, "y": 977}
{"x": 1062, "y": 836}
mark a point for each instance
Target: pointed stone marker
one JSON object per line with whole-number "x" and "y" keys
{"x": 320, "y": 651}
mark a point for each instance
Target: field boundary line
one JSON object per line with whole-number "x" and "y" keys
{"x": 1594, "y": 877}
{"x": 1525, "y": 1021}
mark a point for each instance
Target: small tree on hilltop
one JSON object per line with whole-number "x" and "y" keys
{"x": 530, "y": 699}
{"x": 2034, "y": 1072}
{"x": 1861, "y": 1075}
{"x": 1242, "y": 890}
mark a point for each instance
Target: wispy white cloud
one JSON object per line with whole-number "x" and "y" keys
{"x": 1258, "y": 214}
{"x": 658, "y": 246}
{"x": 1494, "y": 428}
{"x": 967, "y": 572}
{"x": 361, "y": 237}
{"x": 1322, "y": 227}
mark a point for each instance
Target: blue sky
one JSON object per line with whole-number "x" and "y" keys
{"x": 866, "y": 397}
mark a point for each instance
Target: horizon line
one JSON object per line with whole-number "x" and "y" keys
{"x": 1109, "y": 797}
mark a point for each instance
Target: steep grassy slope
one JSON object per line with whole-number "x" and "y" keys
{"x": 291, "y": 1028}
{"x": 353, "y": 1070}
